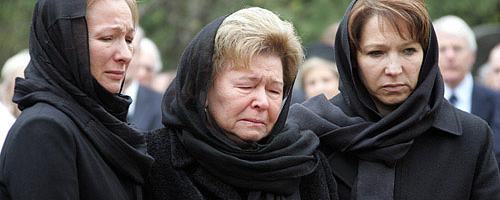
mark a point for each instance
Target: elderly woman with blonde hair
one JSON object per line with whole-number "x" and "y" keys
{"x": 224, "y": 114}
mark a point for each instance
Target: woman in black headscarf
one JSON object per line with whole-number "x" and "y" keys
{"x": 390, "y": 134}
{"x": 71, "y": 140}
{"x": 225, "y": 135}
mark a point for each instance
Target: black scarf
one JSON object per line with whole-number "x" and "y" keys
{"x": 59, "y": 74}
{"x": 268, "y": 169}
{"x": 378, "y": 141}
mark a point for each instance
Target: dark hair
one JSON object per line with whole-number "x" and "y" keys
{"x": 408, "y": 17}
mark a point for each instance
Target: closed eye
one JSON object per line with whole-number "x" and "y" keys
{"x": 106, "y": 38}
{"x": 409, "y": 51}
{"x": 375, "y": 54}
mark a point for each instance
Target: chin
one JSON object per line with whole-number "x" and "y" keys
{"x": 251, "y": 137}
{"x": 112, "y": 89}
{"x": 394, "y": 101}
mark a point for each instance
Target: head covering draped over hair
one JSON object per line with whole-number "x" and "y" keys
{"x": 270, "y": 168}
{"x": 59, "y": 74}
{"x": 377, "y": 141}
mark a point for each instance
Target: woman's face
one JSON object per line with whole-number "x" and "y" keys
{"x": 246, "y": 102}
{"x": 388, "y": 64}
{"x": 321, "y": 80}
{"x": 111, "y": 32}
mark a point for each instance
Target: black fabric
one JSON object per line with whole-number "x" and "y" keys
{"x": 368, "y": 135}
{"x": 59, "y": 75}
{"x": 273, "y": 165}
{"x": 453, "y": 160}
{"x": 177, "y": 175}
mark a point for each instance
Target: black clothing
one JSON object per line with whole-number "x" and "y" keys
{"x": 377, "y": 148}
{"x": 177, "y": 175}
{"x": 71, "y": 130}
{"x": 271, "y": 168}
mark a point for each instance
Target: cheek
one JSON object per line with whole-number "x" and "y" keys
{"x": 95, "y": 58}
{"x": 274, "y": 110}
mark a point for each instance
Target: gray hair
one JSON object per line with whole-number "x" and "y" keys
{"x": 148, "y": 46}
{"x": 456, "y": 26}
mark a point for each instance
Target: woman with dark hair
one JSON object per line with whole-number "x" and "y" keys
{"x": 224, "y": 115}
{"x": 71, "y": 140}
{"x": 390, "y": 134}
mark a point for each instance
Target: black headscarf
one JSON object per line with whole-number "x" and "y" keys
{"x": 59, "y": 74}
{"x": 378, "y": 141}
{"x": 270, "y": 168}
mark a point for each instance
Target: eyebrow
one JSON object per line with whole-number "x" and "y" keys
{"x": 382, "y": 44}
{"x": 253, "y": 78}
{"x": 117, "y": 28}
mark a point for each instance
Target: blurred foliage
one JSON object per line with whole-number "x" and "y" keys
{"x": 172, "y": 23}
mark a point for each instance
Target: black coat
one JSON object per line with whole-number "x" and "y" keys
{"x": 453, "y": 160}
{"x": 46, "y": 156}
{"x": 178, "y": 176}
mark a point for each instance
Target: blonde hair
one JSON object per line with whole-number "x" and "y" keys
{"x": 253, "y": 31}
{"x": 314, "y": 62}
{"x": 132, "y": 4}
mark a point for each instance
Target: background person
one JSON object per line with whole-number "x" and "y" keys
{"x": 490, "y": 73}
{"x": 71, "y": 140}
{"x": 143, "y": 112}
{"x": 150, "y": 62}
{"x": 13, "y": 68}
{"x": 319, "y": 76}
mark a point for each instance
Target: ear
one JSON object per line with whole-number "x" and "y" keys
{"x": 472, "y": 59}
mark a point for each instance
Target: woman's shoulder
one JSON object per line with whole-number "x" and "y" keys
{"x": 465, "y": 128}
{"x": 43, "y": 118}
{"x": 472, "y": 125}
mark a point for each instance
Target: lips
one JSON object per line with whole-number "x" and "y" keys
{"x": 115, "y": 74}
{"x": 253, "y": 121}
{"x": 393, "y": 87}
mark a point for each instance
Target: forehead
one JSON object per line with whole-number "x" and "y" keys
{"x": 377, "y": 28}
{"x": 259, "y": 65}
{"x": 100, "y": 14}
{"x": 446, "y": 38}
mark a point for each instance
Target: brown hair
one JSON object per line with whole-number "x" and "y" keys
{"x": 408, "y": 17}
{"x": 253, "y": 31}
{"x": 132, "y": 4}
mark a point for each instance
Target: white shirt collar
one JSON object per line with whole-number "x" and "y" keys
{"x": 463, "y": 92}
{"x": 132, "y": 91}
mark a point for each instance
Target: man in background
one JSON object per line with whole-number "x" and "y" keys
{"x": 144, "y": 113}
{"x": 457, "y": 54}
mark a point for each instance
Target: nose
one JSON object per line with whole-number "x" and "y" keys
{"x": 394, "y": 67}
{"x": 260, "y": 99}
{"x": 448, "y": 53}
{"x": 123, "y": 52}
